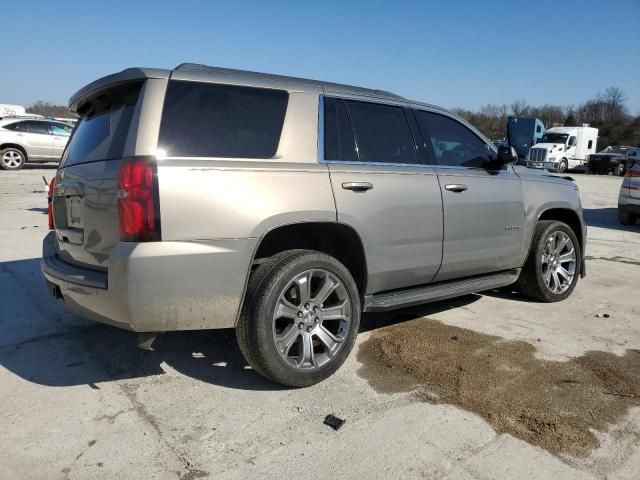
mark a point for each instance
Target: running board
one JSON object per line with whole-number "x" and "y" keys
{"x": 438, "y": 291}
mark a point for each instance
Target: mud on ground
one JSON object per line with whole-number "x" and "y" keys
{"x": 551, "y": 404}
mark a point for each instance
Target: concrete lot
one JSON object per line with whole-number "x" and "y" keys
{"x": 78, "y": 400}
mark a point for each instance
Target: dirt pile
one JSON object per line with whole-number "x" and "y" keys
{"x": 550, "y": 404}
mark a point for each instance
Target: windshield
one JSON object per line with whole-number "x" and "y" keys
{"x": 554, "y": 138}
{"x": 611, "y": 149}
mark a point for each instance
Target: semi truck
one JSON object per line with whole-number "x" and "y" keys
{"x": 564, "y": 148}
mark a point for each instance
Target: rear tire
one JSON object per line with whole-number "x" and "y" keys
{"x": 626, "y": 219}
{"x": 12, "y": 159}
{"x": 619, "y": 170}
{"x": 551, "y": 272}
{"x": 294, "y": 336}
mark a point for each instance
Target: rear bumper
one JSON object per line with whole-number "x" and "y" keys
{"x": 156, "y": 286}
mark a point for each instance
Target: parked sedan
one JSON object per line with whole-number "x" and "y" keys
{"x": 31, "y": 140}
{"x": 629, "y": 199}
{"x": 616, "y": 160}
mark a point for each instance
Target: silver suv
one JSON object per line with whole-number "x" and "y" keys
{"x": 25, "y": 140}
{"x": 202, "y": 197}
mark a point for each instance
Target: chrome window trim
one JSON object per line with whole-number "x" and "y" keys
{"x": 321, "y": 158}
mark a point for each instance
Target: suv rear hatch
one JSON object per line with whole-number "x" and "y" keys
{"x": 86, "y": 194}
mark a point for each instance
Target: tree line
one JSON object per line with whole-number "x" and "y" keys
{"x": 49, "y": 109}
{"x": 607, "y": 111}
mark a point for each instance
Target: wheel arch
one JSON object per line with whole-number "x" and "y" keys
{"x": 333, "y": 238}
{"x": 17, "y": 147}
{"x": 569, "y": 217}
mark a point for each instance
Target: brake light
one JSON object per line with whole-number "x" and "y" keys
{"x": 50, "y": 202}
{"x": 138, "y": 202}
{"x": 632, "y": 173}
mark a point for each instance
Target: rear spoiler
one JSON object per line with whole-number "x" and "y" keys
{"x": 127, "y": 75}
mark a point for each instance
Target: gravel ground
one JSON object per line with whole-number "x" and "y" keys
{"x": 78, "y": 400}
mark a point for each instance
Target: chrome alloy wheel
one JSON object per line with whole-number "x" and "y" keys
{"x": 311, "y": 319}
{"x": 12, "y": 159}
{"x": 558, "y": 262}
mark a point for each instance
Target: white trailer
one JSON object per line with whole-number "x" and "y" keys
{"x": 563, "y": 148}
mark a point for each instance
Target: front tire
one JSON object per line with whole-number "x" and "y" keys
{"x": 626, "y": 219}
{"x": 552, "y": 269}
{"x": 300, "y": 317}
{"x": 12, "y": 159}
{"x": 563, "y": 166}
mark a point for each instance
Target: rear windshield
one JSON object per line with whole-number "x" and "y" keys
{"x": 213, "y": 120}
{"x": 104, "y": 124}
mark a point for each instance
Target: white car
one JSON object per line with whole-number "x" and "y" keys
{"x": 25, "y": 140}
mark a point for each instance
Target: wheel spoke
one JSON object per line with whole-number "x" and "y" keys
{"x": 556, "y": 281}
{"x": 335, "y": 312}
{"x": 552, "y": 243}
{"x": 287, "y": 339}
{"x": 561, "y": 244}
{"x": 327, "y": 339}
{"x": 567, "y": 257}
{"x": 304, "y": 287}
{"x": 286, "y": 309}
{"x": 307, "y": 358}
{"x": 328, "y": 286}
{"x": 565, "y": 273}
{"x": 547, "y": 278}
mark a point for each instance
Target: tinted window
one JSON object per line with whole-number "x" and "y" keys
{"x": 339, "y": 143}
{"x": 590, "y": 145}
{"x": 453, "y": 143}
{"x": 572, "y": 141}
{"x": 101, "y": 132}
{"x": 212, "y": 120}
{"x": 59, "y": 129}
{"x": 35, "y": 127}
{"x": 12, "y": 126}
{"x": 382, "y": 133}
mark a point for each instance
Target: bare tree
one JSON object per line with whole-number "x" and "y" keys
{"x": 519, "y": 108}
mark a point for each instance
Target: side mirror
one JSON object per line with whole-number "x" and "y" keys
{"x": 507, "y": 155}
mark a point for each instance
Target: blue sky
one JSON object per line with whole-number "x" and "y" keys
{"x": 450, "y": 53}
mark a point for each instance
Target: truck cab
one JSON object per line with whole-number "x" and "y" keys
{"x": 563, "y": 148}
{"x": 523, "y": 133}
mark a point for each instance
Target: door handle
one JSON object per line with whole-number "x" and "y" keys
{"x": 357, "y": 186}
{"x": 456, "y": 187}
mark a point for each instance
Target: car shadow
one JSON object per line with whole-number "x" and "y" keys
{"x": 605, "y": 218}
{"x": 38, "y": 210}
{"x": 40, "y": 166}
{"x": 45, "y": 344}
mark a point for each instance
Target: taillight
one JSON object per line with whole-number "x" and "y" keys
{"x": 138, "y": 203}
{"x": 50, "y": 202}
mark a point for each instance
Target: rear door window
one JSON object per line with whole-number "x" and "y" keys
{"x": 215, "y": 120}
{"x": 101, "y": 132}
{"x": 382, "y": 133}
{"x": 35, "y": 127}
{"x": 453, "y": 143}
{"x": 339, "y": 143}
